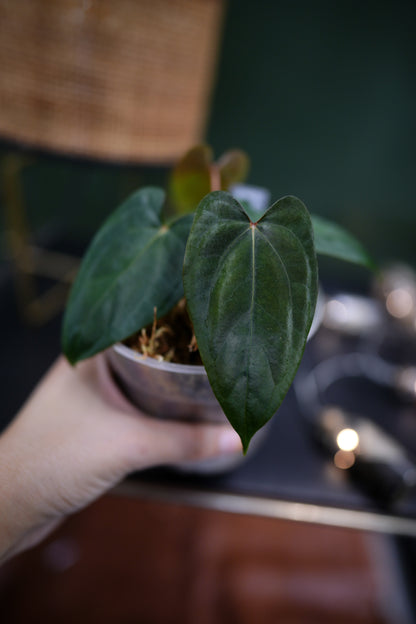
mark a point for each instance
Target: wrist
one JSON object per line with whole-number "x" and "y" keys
{"x": 21, "y": 523}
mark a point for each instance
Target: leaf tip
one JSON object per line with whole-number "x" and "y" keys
{"x": 69, "y": 355}
{"x": 245, "y": 441}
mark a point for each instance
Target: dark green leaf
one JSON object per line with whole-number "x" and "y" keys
{"x": 333, "y": 240}
{"x": 133, "y": 264}
{"x": 251, "y": 292}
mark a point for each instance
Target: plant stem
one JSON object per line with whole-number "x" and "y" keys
{"x": 215, "y": 177}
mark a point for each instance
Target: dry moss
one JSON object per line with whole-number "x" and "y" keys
{"x": 170, "y": 338}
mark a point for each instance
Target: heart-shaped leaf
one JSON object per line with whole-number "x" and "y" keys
{"x": 251, "y": 290}
{"x": 332, "y": 240}
{"x": 133, "y": 264}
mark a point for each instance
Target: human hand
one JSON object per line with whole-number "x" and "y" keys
{"x": 76, "y": 437}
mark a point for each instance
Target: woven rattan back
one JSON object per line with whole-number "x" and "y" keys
{"x": 126, "y": 80}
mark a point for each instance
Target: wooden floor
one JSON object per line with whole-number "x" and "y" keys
{"x": 129, "y": 561}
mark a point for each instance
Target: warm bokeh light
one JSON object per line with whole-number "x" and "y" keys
{"x": 399, "y": 303}
{"x": 347, "y": 439}
{"x": 344, "y": 459}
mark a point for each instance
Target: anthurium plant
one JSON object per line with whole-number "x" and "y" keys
{"x": 250, "y": 282}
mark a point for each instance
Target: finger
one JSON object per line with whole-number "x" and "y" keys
{"x": 170, "y": 442}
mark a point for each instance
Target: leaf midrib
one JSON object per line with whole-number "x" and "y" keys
{"x": 253, "y": 290}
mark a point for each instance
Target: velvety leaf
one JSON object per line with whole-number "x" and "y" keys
{"x": 333, "y": 240}
{"x": 133, "y": 264}
{"x": 251, "y": 291}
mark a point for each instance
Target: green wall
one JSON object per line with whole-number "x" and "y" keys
{"x": 323, "y": 97}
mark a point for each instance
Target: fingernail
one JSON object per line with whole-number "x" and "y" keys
{"x": 230, "y": 442}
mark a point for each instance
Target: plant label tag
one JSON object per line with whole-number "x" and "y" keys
{"x": 256, "y": 196}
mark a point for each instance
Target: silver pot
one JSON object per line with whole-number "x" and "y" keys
{"x": 164, "y": 389}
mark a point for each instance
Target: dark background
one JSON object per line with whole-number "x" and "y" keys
{"x": 322, "y": 96}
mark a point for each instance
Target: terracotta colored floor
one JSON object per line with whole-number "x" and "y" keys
{"x": 128, "y": 561}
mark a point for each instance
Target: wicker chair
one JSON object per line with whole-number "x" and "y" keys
{"x": 126, "y": 82}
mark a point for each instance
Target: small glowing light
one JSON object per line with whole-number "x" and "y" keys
{"x": 347, "y": 439}
{"x": 399, "y": 303}
{"x": 344, "y": 459}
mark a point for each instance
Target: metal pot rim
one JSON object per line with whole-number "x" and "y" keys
{"x": 170, "y": 367}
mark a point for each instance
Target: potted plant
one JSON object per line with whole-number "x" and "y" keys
{"x": 248, "y": 281}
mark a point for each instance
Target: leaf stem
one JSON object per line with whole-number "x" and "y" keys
{"x": 214, "y": 177}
